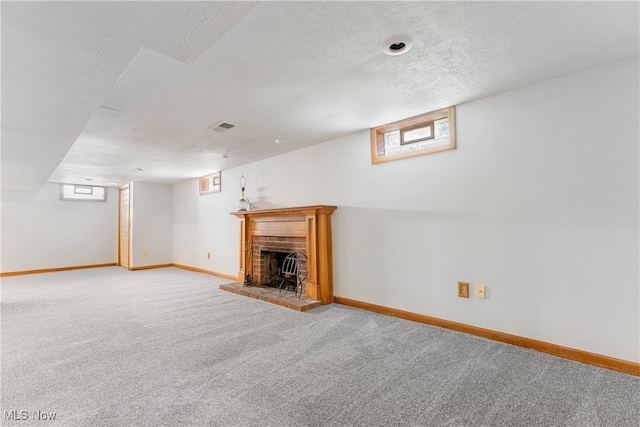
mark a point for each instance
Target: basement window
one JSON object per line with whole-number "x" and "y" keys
{"x": 425, "y": 134}
{"x": 85, "y": 193}
{"x": 210, "y": 183}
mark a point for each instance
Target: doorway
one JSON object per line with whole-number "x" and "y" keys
{"x": 124, "y": 226}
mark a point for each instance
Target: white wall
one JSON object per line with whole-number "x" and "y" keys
{"x": 539, "y": 202}
{"x": 151, "y": 224}
{"x": 40, "y": 231}
{"x": 202, "y": 225}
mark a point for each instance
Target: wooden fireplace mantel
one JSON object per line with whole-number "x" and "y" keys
{"x": 311, "y": 222}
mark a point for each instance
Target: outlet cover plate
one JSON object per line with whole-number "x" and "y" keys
{"x": 463, "y": 289}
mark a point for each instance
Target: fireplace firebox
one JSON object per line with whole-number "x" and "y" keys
{"x": 268, "y": 254}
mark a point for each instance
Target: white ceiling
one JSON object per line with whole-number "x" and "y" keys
{"x": 307, "y": 72}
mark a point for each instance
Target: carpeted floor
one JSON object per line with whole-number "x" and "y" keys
{"x": 110, "y": 347}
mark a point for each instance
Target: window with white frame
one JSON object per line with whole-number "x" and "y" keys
{"x": 86, "y": 193}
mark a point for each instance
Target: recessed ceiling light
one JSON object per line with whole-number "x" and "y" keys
{"x": 276, "y": 140}
{"x": 139, "y": 169}
{"x": 397, "y": 45}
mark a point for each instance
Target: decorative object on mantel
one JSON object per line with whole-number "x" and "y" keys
{"x": 243, "y": 203}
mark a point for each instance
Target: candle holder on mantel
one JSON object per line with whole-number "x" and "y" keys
{"x": 243, "y": 204}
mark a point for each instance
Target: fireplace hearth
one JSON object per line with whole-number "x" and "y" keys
{"x": 273, "y": 296}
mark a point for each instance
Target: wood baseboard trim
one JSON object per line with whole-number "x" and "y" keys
{"x": 52, "y": 270}
{"x": 599, "y": 360}
{"x": 201, "y": 270}
{"x": 150, "y": 267}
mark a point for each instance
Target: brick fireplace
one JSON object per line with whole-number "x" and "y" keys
{"x": 304, "y": 229}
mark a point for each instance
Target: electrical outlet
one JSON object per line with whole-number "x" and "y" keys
{"x": 480, "y": 291}
{"x": 208, "y": 255}
{"x": 463, "y": 289}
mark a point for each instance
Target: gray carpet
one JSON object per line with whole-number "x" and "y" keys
{"x": 109, "y": 347}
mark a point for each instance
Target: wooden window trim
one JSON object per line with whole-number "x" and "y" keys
{"x": 203, "y": 183}
{"x": 377, "y": 134}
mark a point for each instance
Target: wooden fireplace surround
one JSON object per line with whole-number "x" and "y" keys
{"x": 311, "y": 222}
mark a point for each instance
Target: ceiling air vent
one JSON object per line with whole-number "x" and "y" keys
{"x": 222, "y": 126}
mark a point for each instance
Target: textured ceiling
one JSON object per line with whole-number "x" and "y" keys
{"x": 304, "y": 71}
